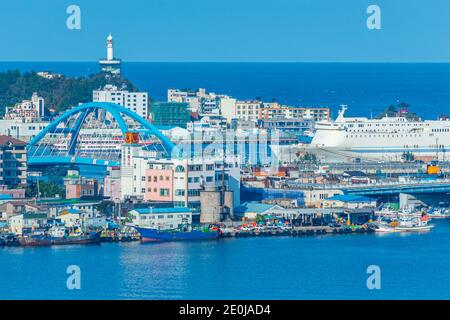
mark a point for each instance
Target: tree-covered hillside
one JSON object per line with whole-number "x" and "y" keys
{"x": 59, "y": 93}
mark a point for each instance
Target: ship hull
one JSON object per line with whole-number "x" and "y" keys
{"x": 49, "y": 241}
{"x": 153, "y": 235}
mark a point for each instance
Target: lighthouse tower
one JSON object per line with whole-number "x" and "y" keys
{"x": 109, "y": 48}
{"x": 110, "y": 64}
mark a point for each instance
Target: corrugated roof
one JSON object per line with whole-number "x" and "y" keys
{"x": 162, "y": 210}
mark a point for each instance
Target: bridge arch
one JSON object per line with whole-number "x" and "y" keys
{"x": 69, "y": 125}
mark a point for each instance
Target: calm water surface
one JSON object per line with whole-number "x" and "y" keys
{"x": 412, "y": 266}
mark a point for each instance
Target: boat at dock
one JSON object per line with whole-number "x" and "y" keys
{"x": 155, "y": 235}
{"x": 439, "y": 213}
{"x": 403, "y": 224}
{"x": 59, "y": 236}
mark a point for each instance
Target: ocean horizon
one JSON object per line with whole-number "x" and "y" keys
{"x": 367, "y": 88}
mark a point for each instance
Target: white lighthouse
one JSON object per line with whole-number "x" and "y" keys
{"x": 110, "y": 64}
{"x": 109, "y": 48}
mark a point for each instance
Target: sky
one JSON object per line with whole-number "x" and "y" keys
{"x": 227, "y": 30}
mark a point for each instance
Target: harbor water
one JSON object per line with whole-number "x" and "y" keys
{"x": 413, "y": 266}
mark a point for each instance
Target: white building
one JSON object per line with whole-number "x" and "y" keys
{"x": 199, "y": 101}
{"x": 161, "y": 218}
{"x": 135, "y": 101}
{"x": 27, "y": 222}
{"x": 27, "y": 110}
{"x": 21, "y": 129}
{"x": 245, "y": 110}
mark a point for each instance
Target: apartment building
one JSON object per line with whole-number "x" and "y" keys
{"x": 134, "y": 101}
{"x": 13, "y": 162}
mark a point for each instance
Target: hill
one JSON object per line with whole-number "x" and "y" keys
{"x": 59, "y": 93}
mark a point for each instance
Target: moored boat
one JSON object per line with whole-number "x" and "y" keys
{"x": 403, "y": 224}
{"x": 49, "y": 240}
{"x": 155, "y": 235}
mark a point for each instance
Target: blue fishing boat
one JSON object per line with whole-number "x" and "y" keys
{"x": 155, "y": 235}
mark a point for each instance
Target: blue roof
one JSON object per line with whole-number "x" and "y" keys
{"x": 253, "y": 207}
{"x": 162, "y": 210}
{"x": 350, "y": 198}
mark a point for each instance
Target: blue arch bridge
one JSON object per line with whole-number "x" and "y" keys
{"x": 93, "y": 134}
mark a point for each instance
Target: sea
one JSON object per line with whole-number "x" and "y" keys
{"x": 367, "y": 88}
{"x": 408, "y": 266}
{"x": 402, "y": 266}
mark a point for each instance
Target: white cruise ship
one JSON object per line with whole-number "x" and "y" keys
{"x": 386, "y": 139}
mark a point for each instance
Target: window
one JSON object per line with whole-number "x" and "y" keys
{"x": 179, "y": 169}
{"x": 164, "y": 192}
{"x": 179, "y": 192}
{"x": 194, "y": 193}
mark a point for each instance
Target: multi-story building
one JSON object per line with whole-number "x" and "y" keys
{"x": 199, "y": 101}
{"x": 135, "y": 101}
{"x": 78, "y": 187}
{"x": 13, "y": 162}
{"x": 179, "y": 180}
{"x": 170, "y": 114}
{"x": 21, "y": 128}
{"x": 248, "y": 110}
{"x": 27, "y": 110}
{"x": 295, "y": 125}
{"x": 274, "y": 109}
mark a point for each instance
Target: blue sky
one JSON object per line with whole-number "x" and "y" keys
{"x": 227, "y": 30}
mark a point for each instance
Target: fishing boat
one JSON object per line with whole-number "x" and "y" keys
{"x": 59, "y": 236}
{"x": 403, "y": 224}
{"x": 156, "y": 235}
{"x": 439, "y": 213}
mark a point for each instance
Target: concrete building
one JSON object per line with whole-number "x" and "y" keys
{"x": 78, "y": 187}
{"x": 179, "y": 181}
{"x": 15, "y": 207}
{"x": 199, "y": 101}
{"x": 28, "y": 110}
{"x": 274, "y": 109}
{"x": 248, "y": 110}
{"x": 71, "y": 217}
{"x": 161, "y": 218}
{"x": 134, "y": 101}
{"x": 21, "y": 129}
{"x": 13, "y": 162}
{"x": 27, "y": 222}
{"x": 111, "y": 185}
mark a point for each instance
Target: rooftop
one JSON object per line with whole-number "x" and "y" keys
{"x": 4, "y": 140}
{"x": 254, "y": 207}
{"x": 162, "y": 210}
